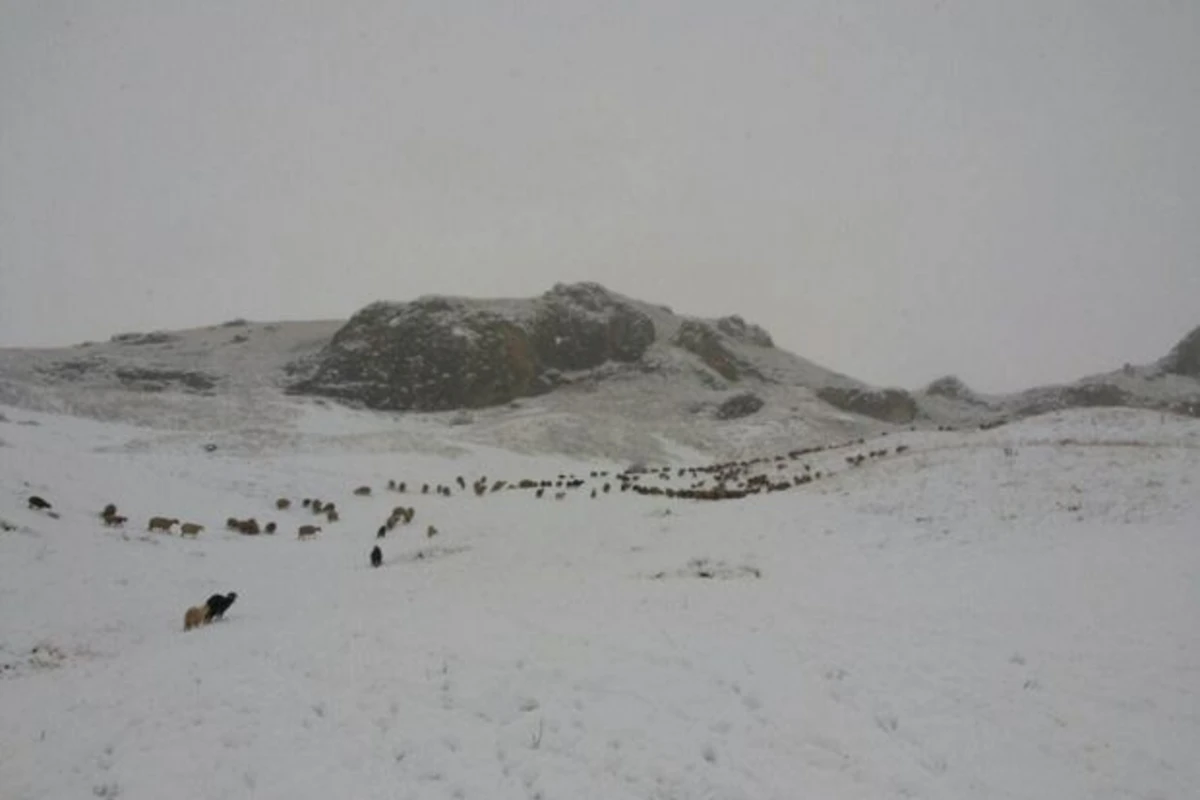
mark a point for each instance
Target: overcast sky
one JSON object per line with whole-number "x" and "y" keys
{"x": 1008, "y": 191}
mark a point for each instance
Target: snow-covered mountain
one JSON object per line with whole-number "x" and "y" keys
{"x": 580, "y": 371}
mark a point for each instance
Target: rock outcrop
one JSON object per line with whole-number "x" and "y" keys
{"x": 1184, "y": 358}
{"x": 887, "y": 405}
{"x": 440, "y": 353}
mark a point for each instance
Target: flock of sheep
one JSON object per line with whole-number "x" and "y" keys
{"x": 721, "y": 481}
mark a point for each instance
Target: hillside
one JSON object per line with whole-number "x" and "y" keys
{"x": 579, "y": 371}
{"x": 972, "y": 614}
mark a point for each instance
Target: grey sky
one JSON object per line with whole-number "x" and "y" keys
{"x": 1009, "y": 191}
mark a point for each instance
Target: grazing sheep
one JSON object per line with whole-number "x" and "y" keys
{"x": 270, "y": 527}
{"x": 431, "y": 532}
{"x": 283, "y": 504}
{"x": 190, "y": 529}
{"x": 195, "y": 617}
{"x": 38, "y": 503}
{"x": 363, "y": 491}
{"x": 316, "y": 507}
{"x": 376, "y": 556}
{"x": 216, "y": 606}
{"x": 306, "y": 531}
{"x": 331, "y": 515}
{"x": 115, "y": 521}
{"x": 249, "y": 527}
{"x": 161, "y": 524}
{"x": 110, "y": 510}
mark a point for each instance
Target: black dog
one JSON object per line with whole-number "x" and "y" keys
{"x": 37, "y": 502}
{"x": 376, "y": 556}
{"x": 218, "y": 604}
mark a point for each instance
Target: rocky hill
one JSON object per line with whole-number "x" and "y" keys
{"x": 441, "y": 353}
{"x": 576, "y": 367}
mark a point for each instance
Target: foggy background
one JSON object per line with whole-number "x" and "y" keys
{"x": 897, "y": 190}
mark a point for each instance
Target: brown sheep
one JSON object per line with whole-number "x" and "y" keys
{"x": 306, "y": 531}
{"x": 249, "y": 527}
{"x": 190, "y": 529}
{"x": 195, "y": 617}
{"x": 331, "y": 515}
{"x": 283, "y": 504}
{"x": 363, "y": 491}
{"x": 161, "y": 524}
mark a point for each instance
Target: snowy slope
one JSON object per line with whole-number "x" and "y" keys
{"x": 1008, "y": 613}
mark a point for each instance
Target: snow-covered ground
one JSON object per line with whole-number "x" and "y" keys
{"x": 999, "y": 614}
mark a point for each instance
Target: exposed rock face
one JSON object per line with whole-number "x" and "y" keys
{"x": 439, "y": 353}
{"x": 737, "y": 328}
{"x": 950, "y": 386}
{"x": 703, "y": 341}
{"x": 581, "y": 326}
{"x": 740, "y": 405}
{"x": 889, "y": 405}
{"x": 1184, "y": 358}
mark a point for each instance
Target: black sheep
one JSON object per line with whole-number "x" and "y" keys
{"x": 37, "y": 502}
{"x": 376, "y": 556}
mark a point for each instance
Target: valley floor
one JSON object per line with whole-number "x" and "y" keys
{"x": 999, "y": 614}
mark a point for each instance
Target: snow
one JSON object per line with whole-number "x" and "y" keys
{"x": 1007, "y": 613}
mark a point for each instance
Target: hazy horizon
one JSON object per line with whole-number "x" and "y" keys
{"x": 1005, "y": 192}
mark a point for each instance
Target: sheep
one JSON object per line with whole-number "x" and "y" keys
{"x": 391, "y": 484}
{"x": 462, "y": 484}
{"x": 425, "y": 488}
{"x": 195, "y": 617}
{"x": 331, "y": 515}
{"x": 431, "y": 532}
{"x": 36, "y": 502}
{"x": 382, "y": 532}
{"x": 115, "y": 521}
{"x": 110, "y": 510}
{"x": 232, "y": 523}
{"x": 317, "y": 507}
{"x": 363, "y": 491}
{"x": 190, "y": 529}
{"x": 541, "y": 491}
{"x": 283, "y": 504}
{"x": 305, "y": 531}
{"x": 161, "y": 524}
{"x": 402, "y": 487}
{"x": 270, "y": 527}
{"x": 306, "y": 502}
{"x": 376, "y": 556}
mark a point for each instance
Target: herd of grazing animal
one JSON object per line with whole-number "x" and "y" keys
{"x": 721, "y": 481}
